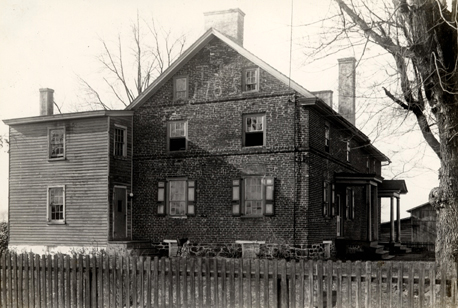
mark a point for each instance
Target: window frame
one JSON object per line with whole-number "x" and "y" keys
{"x": 349, "y": 203}
{"x": 169, "y": 137}
{"x": 267, "y": 196}
{"x": 328, "y": 199}
{"x": 244, "y": 79}
{"x": 49, "y": 209}
{"x": 63, "y": 156}
{"x": 175, "y": 96}
{"x": 245, "y": 132}
{"x": 163, "y": 197}
{"x": 348, "y": 151}
{"x": 327, "y": 134}
{"x": 124, "y": 145}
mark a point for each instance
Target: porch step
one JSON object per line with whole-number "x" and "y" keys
{"x": 378, "y": 252}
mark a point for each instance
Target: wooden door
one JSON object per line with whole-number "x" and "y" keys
{"x": 119, "y": 213}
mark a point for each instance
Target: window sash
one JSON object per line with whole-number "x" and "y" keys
{"x": 251, "y": 80}
{"x": 56, "y": 142}
{"x": 180, "y": 89}
{"x": 253, "y": 196}
{"x": 120, "y": 141}
{"x": 254, "y": 130}
{"x": 56, "y": 204}
{"x": 176, "y": 197}
{"x": 176, "y": 131}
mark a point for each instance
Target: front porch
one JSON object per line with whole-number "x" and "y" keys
{"x": 368, "y": 247}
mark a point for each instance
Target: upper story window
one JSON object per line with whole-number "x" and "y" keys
{"x": 327, "y": 131}
{"x": 250, "y": 79}
{"x": 180, "y": 88}
{"x": 56, "y": 205}
{"x": 177, "y": 134}
{"x": 254, "y": 130}
{"x": 56, "y": 143}
{"x": 176, "y": 197}
{"x": 120, "y": 141}
{"x": 348, "y": 150}
{"x": 253, "y": 196}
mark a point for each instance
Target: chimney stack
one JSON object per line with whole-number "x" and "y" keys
{"x": 347, "y": 81}
{"x": 325, "y": 95}
{"x": 229, "y": 22}
{"x": 46, "y": 101}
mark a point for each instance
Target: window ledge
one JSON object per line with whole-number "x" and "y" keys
{"x": 56, "y": 159}
{"x": 56, "y": 222}
{"x": 254, "y": 147}
{"x": 250, "y": 216}
{"x": 179, "y": 217}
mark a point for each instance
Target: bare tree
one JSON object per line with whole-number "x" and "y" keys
{"x": 128, "y": 70}
{"x": 420, "y": 36}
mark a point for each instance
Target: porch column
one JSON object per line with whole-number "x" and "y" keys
{"x": 398, "y": 213}
{"x": 376, "y": 213}
{"x": 391, "y": 219}
{"x": 369, "y": 211}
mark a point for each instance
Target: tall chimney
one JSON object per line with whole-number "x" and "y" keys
{"x": 46, "y": 101}
{"x": 229, "y": 22}
{"x": 347, "y": 82}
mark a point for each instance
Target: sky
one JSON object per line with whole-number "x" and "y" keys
{"x": 49, "y": 43}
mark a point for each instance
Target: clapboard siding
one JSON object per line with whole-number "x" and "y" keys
{"x": 84, "y": 173}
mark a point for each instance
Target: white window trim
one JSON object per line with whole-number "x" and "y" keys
{"x": 124, "y": 146}
{"x": 48, "y": 206}
{"x": 257, "y": 72}
{"x": 244, "y": 129}
{"x": 49, "y": 143}
{"x": 175, "y": 98}
{"x": 185, "y": 135}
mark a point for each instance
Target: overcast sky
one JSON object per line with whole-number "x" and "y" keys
{"x": 47, "y": 43}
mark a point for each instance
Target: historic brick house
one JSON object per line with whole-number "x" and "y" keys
{"x": 220, "y": 148}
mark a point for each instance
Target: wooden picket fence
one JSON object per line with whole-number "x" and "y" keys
{"x": 28, "y": 280}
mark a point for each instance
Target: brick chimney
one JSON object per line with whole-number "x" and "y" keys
{"x": 325, "y": 95}
{"x": 229, "y": 22}
{"x": 46, "y": 101}
{"x": 347, "y": 80}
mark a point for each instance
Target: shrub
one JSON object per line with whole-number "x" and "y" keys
{"x": 4, "y": 234}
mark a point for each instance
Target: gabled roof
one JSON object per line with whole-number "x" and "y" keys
{"x": 68, "y": 116}
{"x": 194, "y": 49}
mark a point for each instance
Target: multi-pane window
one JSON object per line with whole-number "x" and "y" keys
{"x": 56, "y": 204}
{"x": 251, "y": 79}
{"x": 56, "y": 142}
{"x": 326, "y": 136}
{"x": 177, "y": 135}
{"x": 348, "y": 150}
{"x": 254, "y": 130}
{"x": 120, "y": 142}
{"x": 180, "y": 88}
{"x": 253, "y": 196}
{"x": 176, "y": 197}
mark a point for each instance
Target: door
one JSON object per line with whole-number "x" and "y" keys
{"x": 119, "y": 213}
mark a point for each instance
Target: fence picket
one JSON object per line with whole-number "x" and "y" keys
{"x": 29, "y": 280}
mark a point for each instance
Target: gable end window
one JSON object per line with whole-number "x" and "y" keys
{"x": 180, "y": 88}
{"x": 56, "y": 143}
{"x": 177, "y": 135}
{"x": 120, "y": 141}
{"x": 56, "y": 205}
{"x": 176, "y": 197}
{"x": 254, "y": 130}
{"x": 250, "y": 80}
{"x": 253, "y": 196}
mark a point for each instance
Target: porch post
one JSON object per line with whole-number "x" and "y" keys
{"x": 376, "y": 213}
{"x": 398, "y": 213}
{"x": 391, "y": 219}
{"x": 369, "y": 211}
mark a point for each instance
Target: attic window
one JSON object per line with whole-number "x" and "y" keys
{"x": 180, "y": 88}
{"x": 254, "y": 130}
{"x": 251, "y": 80}
{"x": 326, "y": 136}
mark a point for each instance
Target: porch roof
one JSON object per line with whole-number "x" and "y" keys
{"x": 357, "y": 178}
{"x": 397, "y": 186}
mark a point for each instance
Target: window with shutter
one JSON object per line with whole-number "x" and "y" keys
{"x": 253, "y": 196}
{"x": 176, "y": 197}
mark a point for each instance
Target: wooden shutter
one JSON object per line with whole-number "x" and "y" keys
{"x": 325, "y": 199}
{"x": 191, "y": 210}
{"x": 161, "y": 198}
{"x": 269, "y": 196}
{"x": 333, "y": 200}
{"x": 236, "y": 197}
